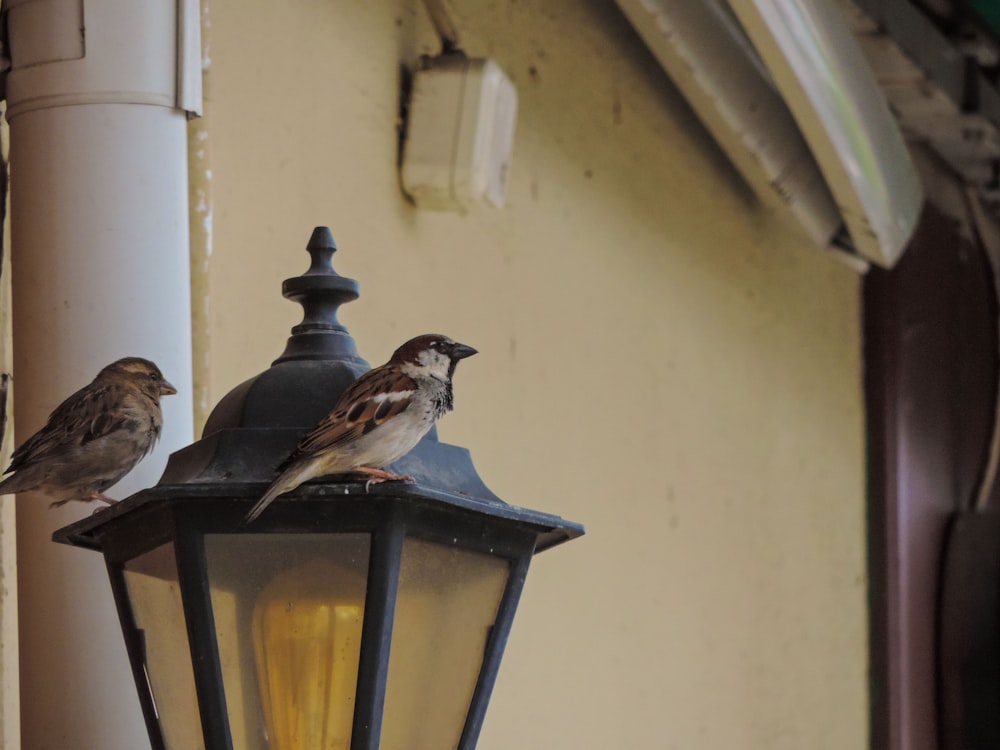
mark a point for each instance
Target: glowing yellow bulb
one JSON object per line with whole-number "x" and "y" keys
{"x": 307, "y": 640}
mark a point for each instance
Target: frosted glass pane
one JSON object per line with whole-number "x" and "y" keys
{"x": 151, "y": 580}
{"x": 288, "y": 613}
{"x": 446, "y": 606}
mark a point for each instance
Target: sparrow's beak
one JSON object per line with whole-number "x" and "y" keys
{"x": 166, "y": 389}
{"x": 461, "y": 351}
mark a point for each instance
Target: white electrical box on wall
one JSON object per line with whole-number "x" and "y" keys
{"x": 460, "y": 134}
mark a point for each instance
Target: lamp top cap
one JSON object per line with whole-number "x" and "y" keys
{"x": 319, "y": 360}
{"x": 321, "y": 291}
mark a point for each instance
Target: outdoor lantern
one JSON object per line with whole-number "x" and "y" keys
{"x": 346, "y": 616}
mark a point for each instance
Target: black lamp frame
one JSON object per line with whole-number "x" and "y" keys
{"x": 208, "y": 487}
{"x": 388, "y": 512}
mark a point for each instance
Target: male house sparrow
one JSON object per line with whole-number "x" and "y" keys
{"x": 379, "y": 418}
{"x": 93, "y": 438}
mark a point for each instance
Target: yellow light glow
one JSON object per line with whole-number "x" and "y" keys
{"x": 307, "y": 644}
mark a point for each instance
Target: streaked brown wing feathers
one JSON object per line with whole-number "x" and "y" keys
{"x": 367, "y": 403}
{"x": 86, "y": 415}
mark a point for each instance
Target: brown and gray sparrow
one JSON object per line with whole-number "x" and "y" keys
{"x": 93, "y": 438}
{"x": 378, "y": 419}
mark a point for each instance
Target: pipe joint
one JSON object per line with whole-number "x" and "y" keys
{"x": 71, "y": 52}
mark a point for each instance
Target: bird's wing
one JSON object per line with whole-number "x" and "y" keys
{"x": 88, "y": 414}
{"x": 371, "y": 400}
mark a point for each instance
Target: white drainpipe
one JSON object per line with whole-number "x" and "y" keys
{"x": 98, "y": 97}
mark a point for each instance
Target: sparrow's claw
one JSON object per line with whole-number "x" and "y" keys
{"x": 377, "y": 476}
{"x": 99, "y": 497}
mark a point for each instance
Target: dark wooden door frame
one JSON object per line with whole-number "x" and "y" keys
{"x": 930, "y": 352}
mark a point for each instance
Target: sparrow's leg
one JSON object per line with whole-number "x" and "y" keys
{"x": 98, "y": 496}
{"x": 377, "y": 476}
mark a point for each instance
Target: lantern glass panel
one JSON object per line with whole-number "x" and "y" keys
{"x": 445, "y": 609}
{"x": 155, "y": 597}
{"x": 288, "y": 615}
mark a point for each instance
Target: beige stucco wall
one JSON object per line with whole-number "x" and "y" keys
{"x": 661, "y": 360}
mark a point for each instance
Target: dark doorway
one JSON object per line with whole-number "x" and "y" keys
{"x": 930, "y": 328}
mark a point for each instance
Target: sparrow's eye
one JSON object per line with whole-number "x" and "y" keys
{"x": 153, "y": 376}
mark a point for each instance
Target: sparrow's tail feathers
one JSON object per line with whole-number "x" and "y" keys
{"x": 289, "y": 479}
{"x": 24, "y": 480}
